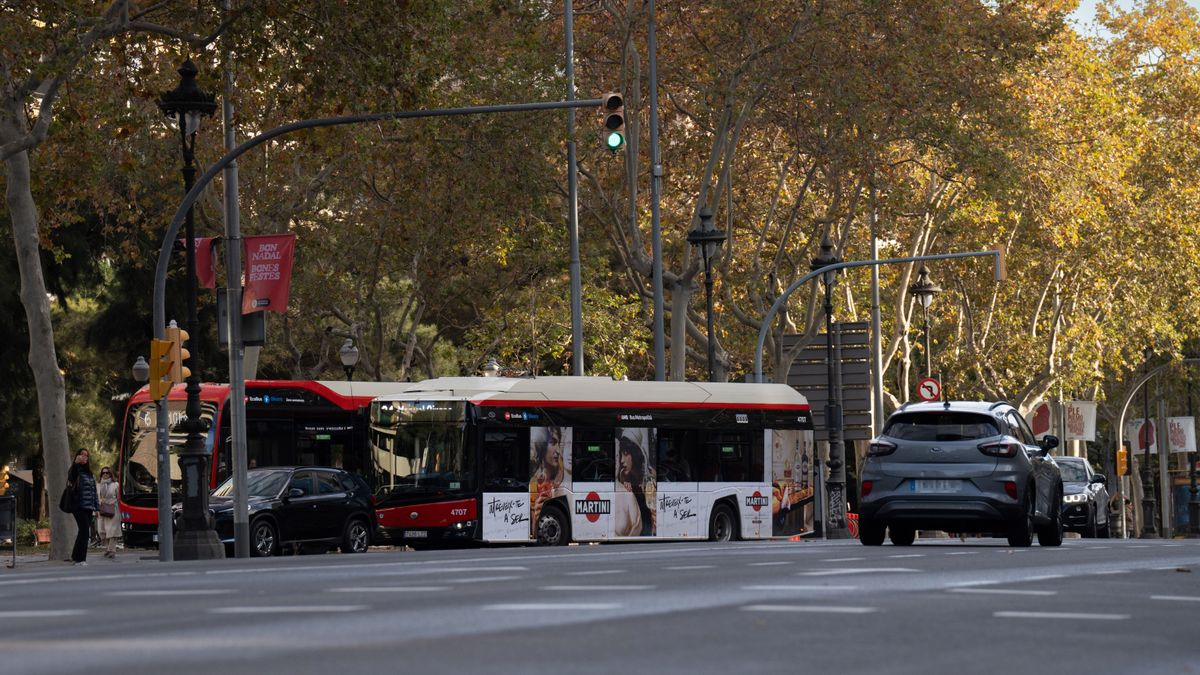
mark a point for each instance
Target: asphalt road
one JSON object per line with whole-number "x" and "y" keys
{"x": 940, "y": 606}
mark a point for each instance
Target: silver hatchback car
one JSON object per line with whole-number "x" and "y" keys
{"x": 960, "y": 466}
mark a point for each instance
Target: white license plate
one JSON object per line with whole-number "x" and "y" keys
{"x": 416, "y": 534}
{"x": 154, "y": 538}
{"x": 935, "y": 486}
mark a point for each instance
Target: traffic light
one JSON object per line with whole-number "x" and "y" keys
{"x": 4, "y": 479}
{"x": 1122, "y": 462}
{"x": 160, "y": 369}
{"x": 177, "y": 336}
{"x": 614, "y": 121}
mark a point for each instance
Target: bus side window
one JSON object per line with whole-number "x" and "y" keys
{"x": 673, "y": 465}
{"x": 505, "y": 460}
{"x": 592, "y": 453}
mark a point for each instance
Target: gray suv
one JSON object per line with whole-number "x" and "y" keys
{"x": 960, "y": 466}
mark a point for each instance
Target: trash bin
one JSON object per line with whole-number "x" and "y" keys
{"x": 8, "y": 523}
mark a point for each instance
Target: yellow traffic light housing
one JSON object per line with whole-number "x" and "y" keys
{"x": 4, "y": 479}
{"x": 177, "y": 336}
{"x": 160, "y": 369}
{"x": 614, "y": 121}
{"x": 1122, "y": 462}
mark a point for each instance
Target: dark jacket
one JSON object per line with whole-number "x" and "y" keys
{"x": 80, "y": 475}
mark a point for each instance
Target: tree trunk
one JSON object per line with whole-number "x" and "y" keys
{"x": 51, "y": 391}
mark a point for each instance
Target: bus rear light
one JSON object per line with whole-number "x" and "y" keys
{"x": 880, "y": 448}
{"x": 999, "y": 449}
{"x": 866, "y": 487}
{"x": 1010, "y": 489}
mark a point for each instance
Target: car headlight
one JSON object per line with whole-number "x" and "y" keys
{"x": 1075, "y": 499}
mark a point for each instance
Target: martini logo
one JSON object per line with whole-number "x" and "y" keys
{"x": 756, "y": 501}
{"x": 592, "y": 507}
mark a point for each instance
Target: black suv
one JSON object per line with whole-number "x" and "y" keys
{"x": 316, "y": 508}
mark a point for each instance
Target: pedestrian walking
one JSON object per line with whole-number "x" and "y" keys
{"x": 83, "y": 489}
{"x": 107, "y": 517}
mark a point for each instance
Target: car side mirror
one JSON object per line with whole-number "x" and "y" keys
{"x": 1048, "y": 442}
{"x": 295, "y": 492}
{"x": 1099, "y": 478}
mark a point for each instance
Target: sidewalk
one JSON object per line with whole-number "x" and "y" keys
{"x": 95, "y": 558}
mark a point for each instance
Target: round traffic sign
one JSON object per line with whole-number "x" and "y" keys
{"x": 929, "y": 389}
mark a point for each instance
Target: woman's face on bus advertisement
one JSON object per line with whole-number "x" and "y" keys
{"x": 626, "y": 465}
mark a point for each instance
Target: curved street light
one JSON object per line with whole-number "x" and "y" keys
{"x": 349, "y": 356}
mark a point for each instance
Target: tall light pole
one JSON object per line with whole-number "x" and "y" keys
{"x": 1149, "y": 504}
{"x": 1193, "y": 500}
{"x": 835, "y": 486}
{"x": 186, "y": 104}
{"x": 708, "y": 240}
{"x": 924, "y": 290}
{"x": 349, "y": 356}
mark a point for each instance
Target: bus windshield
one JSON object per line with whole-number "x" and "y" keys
{"x": 139, "y": 481}
{"x": 422, "y": 457}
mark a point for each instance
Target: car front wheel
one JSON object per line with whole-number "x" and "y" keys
{"x": 870, "y": 533}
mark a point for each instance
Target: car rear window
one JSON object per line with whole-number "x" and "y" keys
{"x": 941, "y": 426}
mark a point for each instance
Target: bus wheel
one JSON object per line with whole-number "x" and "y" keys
{"x": 552, "y": 527}
{"x": 263, "y": 540}
{"x": 720, "y": 526}
{"x": 357, "y": 537}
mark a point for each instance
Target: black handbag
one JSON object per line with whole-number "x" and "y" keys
{"x": 66, "y": 503}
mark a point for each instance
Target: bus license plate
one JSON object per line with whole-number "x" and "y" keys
{"x": 935, "y": 486}
{"x": 416, "y": 534}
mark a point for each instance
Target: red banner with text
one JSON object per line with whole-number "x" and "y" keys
{"x": 268, "y": 272}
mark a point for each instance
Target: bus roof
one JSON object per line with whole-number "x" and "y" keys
{"x": 598, "y": 392}
{"x": 342, "y": 392}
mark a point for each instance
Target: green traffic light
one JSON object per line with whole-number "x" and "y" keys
{"x": 614, "y": 140}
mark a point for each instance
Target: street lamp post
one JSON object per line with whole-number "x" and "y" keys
{"x": 924, "y": 290}
{"x": 708, "y": 240}
{"x": 196, "y": 540}
{"x": 1149, "y": 504}
{"x": 1193, "y": 500}
{"x": 491, "y": 369}
{"x": 349, "y": 355}
{"x": 835, "y": 509}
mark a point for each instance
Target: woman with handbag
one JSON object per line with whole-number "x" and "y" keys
{"x": 83, "y": 487}
{"x": 108, "y": 522}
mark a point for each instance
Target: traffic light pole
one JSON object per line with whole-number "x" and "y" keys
{"x": 164, "y": 255}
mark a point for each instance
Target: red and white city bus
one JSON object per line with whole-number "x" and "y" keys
{"x": 301, "y": 422}
{"x": 560, "y": 459}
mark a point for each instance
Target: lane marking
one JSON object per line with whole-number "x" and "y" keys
{"x": 482, "y": 580}
{"x": 794, "y": 587}
{"x": 772, "y": 563}
{"x": 908, "y": 555}
{"x": 1096, "y": 548}
{"x": 389, "y": 589}
{"x": 547, "y": 606}
{"x": 963, "y": 553}
{"x": 855, "y": 570}
{"x": 170, "y": 592}
{"x": 629, "y": 587}
{"x": 1045, "y": 577}
{"x": 1112, "y": 572}
{"x": 680, "y": 568}
{"x": 1000, "y": 591}
{"x": 288, "y": 609}
{"x": 809, "y": 609}
{"x": 1140, "y": 546}
{"x": 41, "y": 613}
{"x": 588, "y": 573}
{"x": 1060, "y": 615}
{"x": 842, "y": 559}
{"x": 1177, "y": 598}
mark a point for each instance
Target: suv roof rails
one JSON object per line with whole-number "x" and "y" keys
{"x": 997, "y": 404}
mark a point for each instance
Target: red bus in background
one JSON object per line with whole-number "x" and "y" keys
{"x": 288, "y": 423}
